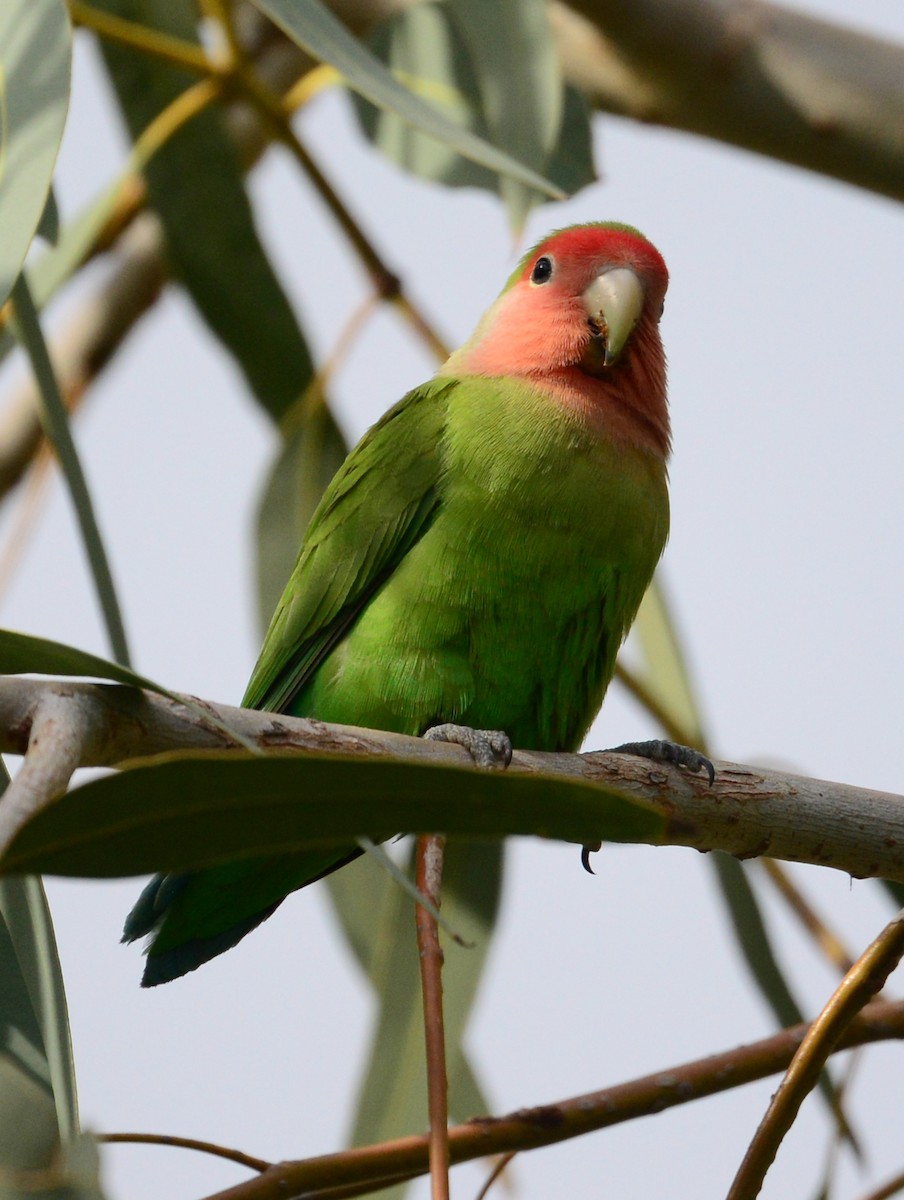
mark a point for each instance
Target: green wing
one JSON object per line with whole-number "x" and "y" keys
{"x": 380, "y": 502}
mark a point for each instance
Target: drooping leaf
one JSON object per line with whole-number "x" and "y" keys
{"x": 431, "y": 49}
{"x": 756, "y": 947}
{"x": 315, "y": 29}
{"x": 38, "y": 1106}
{"x": 178, "y": 811}
{"x": 22, "y": 654}
{"x": 196, "y": 185}
{"x": 35, "y": 63}
{"x": 666, "y": 677}
{"x": 55, "y": 422}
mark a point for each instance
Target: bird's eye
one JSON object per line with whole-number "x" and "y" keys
{"x": 542, "y": 271}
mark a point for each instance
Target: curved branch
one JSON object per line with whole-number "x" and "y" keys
{"x": 528, "y": 1129}
{"x": 748, "y": 812}
{"x": 753, "y": 74}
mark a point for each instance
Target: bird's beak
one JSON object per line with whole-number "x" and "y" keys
{"x": 614, "y": 302}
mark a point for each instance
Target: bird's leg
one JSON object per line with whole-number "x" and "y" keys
{"x": 658, "y": 751}
{"x": 487, "y": 747}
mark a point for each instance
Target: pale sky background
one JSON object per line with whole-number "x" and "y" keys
{"x": 785, "y": 565}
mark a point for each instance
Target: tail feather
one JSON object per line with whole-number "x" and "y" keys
{"x": 168, "y": 965}
{"x": 193, "y": 916}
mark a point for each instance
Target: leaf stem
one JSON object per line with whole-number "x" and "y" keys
{"x": 56, "y": 427}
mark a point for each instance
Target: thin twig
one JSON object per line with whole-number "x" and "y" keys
{"x": 430, "y": 849}
{"x": 494, "y": 1174}
{"x": 142, "y": 38}
{"x": 184, "y": 1143}
{"x": 861, "y": 983}
{"x": 891, "y": 1187}
{"x": 272, "y": 111}
{"x": 558, "y": 1122}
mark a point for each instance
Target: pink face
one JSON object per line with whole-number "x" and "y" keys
{"x": 541, "y": 322}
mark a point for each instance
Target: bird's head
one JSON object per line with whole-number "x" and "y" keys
{"x": 588, "y": 297}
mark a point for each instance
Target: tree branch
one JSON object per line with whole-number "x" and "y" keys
{"x": 527, "y": 1129}
{"x": 748, "y": 812}
{"x": 752, "y": 74}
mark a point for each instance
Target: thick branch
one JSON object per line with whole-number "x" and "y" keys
{"x": 545, "y": 1125}
{"x": 752, "y": 74}
{"x": 748, "y": 812}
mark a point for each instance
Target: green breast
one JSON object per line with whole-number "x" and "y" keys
{"x": 509, "y": 611}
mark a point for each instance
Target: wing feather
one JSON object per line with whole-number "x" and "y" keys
{"x": 379, "y": 504}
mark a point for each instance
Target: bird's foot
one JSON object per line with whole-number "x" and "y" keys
{"x": 669, "y": 752}
{"x": 487, "y": 747}
{"x": 658, "y": 751}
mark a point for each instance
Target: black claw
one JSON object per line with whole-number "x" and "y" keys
{"x": 586, "y": 851}
{"x": 488, "y": 747}
{"x": 670, "y": 752}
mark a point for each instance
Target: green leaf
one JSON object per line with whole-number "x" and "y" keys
{"x": 422, "y": 47}
{"x": 26, "y": 918}
{"x": 666, "y": 677}
{"x": 181, "y": 812}
{"x": 315, "y": 29}
{"x": 49, "y": 224}
{"x": 378, "y": 919}
{"x": 37, "y": 1080}
{"x": 35, "y": 54}
{"x": 55, "y": 421}
{"x": 195, "y": 183}
{"x": 22, "y": 654}
{"x": 510, "y": 45}
{"x": 312, "y": 451}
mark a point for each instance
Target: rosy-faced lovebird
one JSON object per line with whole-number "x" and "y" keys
{"x": 478, "y": 558}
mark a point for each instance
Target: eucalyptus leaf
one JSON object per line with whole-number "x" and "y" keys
{"x": 196, "y": 185}
{"x": 184, "y": 811}
{"x": 324, "y": 37}
{"x": 49, "y": 224}
{"x": 55, "y": 420}
{"x": 428, "y": 48}
{"x": 756, "y": 947}
{"x": 35, "y": 65}
{"x": 38, "y": 1104}
{"x": 23, "y": 654}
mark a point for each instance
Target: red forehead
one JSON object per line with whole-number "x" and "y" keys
{"x": 616, "y": 242}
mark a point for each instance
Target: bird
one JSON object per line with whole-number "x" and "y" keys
{"x": 476, "y": 562}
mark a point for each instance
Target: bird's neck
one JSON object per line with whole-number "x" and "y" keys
{"x": 626, "y": 403}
